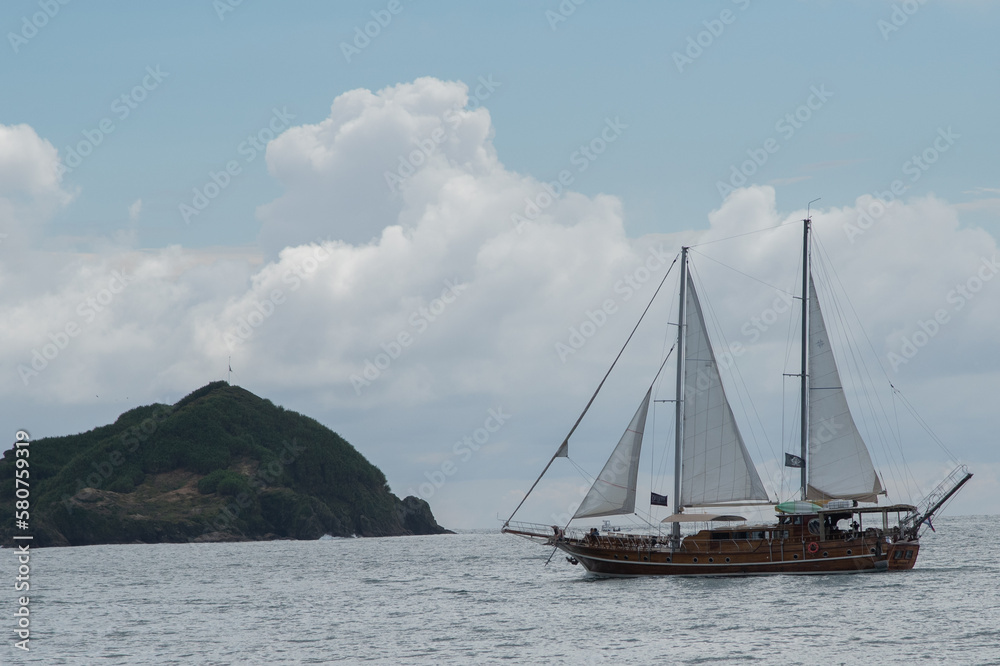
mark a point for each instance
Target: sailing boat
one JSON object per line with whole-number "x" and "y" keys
{"x": 835, "y": 526}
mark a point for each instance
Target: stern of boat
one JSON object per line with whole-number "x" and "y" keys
{"x": 902, "y": 555}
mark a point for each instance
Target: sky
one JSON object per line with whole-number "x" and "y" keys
{"x": 398, "y": 217}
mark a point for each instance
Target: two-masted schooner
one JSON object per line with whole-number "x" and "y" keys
{"x": 836, "y": 526}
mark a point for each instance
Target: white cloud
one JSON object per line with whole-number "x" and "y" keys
{"x": 334, "y": 171}
{"x": 134, "y": 209}
{"x": 30, "y": 184}
{"x": 482, "y": 303}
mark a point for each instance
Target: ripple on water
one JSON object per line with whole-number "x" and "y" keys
{"x": 428, "y": 600}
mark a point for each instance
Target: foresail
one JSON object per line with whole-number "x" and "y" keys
{"x": 715, "y": 465}
{"x": 839, "y": 465}
{"x": 613, "y": 492}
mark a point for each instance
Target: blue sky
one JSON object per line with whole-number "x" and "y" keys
{"x": 832, "y": 100}
{"x": 686, "y": 128}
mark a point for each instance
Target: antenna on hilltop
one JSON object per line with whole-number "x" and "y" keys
{"x": 229, "y": 378}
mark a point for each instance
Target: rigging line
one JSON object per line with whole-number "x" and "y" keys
{"x": 896, "y": 391}
{"x": 747, "y": 275}
{"x": 747, "y": 233}
{"x": 647, "y": 396}
{"x": 903, "y": 470}
{"x": 855, "y": 363}
{"x": 593, "y": 397}
{"x": 895, "y": 413}
{"x": 896, "y": 433}
{"x": 666, "y": 341}
{"x": 923, "y": 424}
{"x": 781, "y": 461}
{"x": 794, "y": 319}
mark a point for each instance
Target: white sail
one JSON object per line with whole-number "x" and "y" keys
{"x": 715, "y": 465}
{"x": 838, "y": 465}
{"x": 613, "y": 492}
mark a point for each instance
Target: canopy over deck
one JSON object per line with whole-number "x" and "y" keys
{"x": 873, "y": 509}
{"x": 699, "y": 517}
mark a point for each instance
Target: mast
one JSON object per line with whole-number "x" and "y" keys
{"x": 805, "y": 352}
{"x": 679, "y": 403}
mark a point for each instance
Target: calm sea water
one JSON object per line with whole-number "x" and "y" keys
{"x": 487, "y": 598}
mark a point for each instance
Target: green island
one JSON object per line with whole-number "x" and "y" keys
{"x": 221, "y": 464}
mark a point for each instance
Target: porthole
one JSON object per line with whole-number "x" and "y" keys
{"x": 849, "y": 551}
{"x": 668, "y": 558}
{"x": 616, "y": 557}
{"x": 795, "y": 557}
{"x": 727, "y": 559}
{"x": 826, "y": 554}
{"x": 711, "y": 559}
{"x": 695, "y": 559}
{"x": 871, "y": 550}
{"x": 626, "y": 557}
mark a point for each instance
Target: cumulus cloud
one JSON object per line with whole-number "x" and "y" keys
{"x": 399, "y": 308}
{"x": 31, "y": 188}
{"x": 335, "y": 172}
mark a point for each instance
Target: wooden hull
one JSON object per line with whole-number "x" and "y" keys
{"x": 631, "y": 556}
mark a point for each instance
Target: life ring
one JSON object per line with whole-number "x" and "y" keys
{"x": 813, "y": 547}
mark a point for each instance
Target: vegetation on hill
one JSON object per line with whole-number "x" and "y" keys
{"x": 219, "y": 465}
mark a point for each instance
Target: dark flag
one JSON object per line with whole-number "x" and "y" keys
{"x": 794, "y": 461}
{"x": 657, "y": 500}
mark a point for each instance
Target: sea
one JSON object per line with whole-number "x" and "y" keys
{"x": 484, "y": 598}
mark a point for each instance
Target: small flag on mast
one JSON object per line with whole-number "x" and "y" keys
{"x": 794, "y": 461}
{"x": 657, "y": 500}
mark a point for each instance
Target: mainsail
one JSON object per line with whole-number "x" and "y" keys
{"x": 613, "y": 492}
{"x": 716, "y": 466}
{"x": 839, "y": 465}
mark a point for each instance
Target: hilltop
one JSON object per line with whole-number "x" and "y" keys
{"x": 221, "y": 464}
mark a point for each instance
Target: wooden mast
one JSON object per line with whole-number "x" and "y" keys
{"x": 679, "y": 397}
{"x": 804, "y": 443}
{"x": 806, "y": 277}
